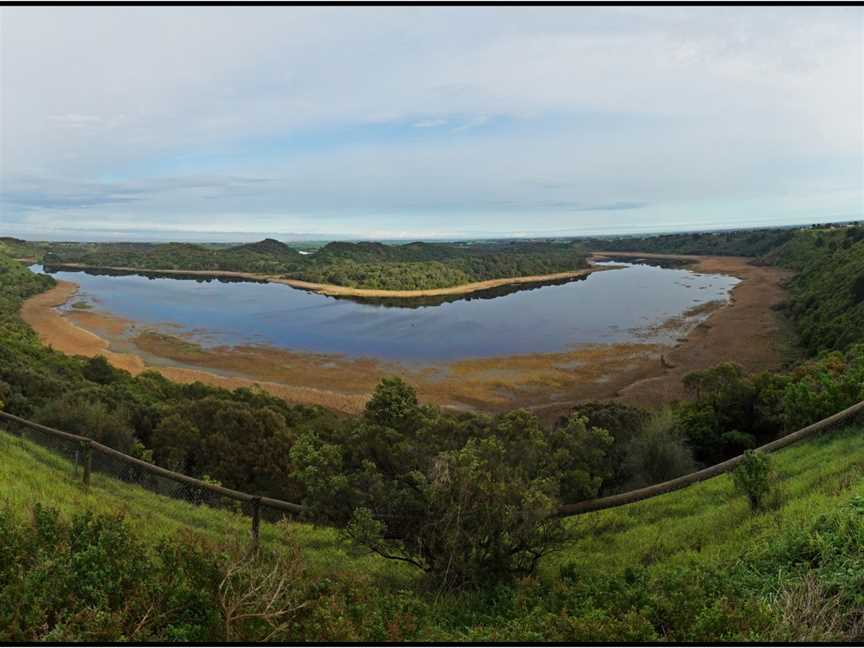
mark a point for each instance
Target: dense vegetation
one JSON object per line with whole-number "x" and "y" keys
{"x": 463, "y": 499}
{"x": 752, "y": 243}
{"x": 413, "y": 266}
{"x": 695, "y": 565}
{"x": 267, "y": 256}
{"x": 827, "y": 291}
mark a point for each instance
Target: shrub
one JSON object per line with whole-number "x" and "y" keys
{"x": 97, "y": 369}
{"x": 78, "y": 414}
{"x": 658, "y": 453}
{"x": 754, "y": 478}
{"x": 624, "y": 423}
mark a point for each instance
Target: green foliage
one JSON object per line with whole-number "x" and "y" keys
{"x": 91, "y": 579}
{"x": 97, "y": 369}
{"x": 826, "y": 301}
{"x": 466, "y": 498}
{"x": 752, "y": 243}
{"x": 658, "y": 453}
{"x": 624, "y": 423}
{"x": 754, "y": 478}
{"x": 414, "y": 266}
{"x": 731, "y": 412}
{"x": 691, "y": 566}
{"x": 721, "y": 419}
{"x": 77, "y": 413}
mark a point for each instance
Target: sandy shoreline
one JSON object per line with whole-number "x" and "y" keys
{"x": 746, "y": 331}
{"x": 333, "y": 290}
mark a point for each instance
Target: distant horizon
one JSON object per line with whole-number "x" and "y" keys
{"x": 241, "y": 238}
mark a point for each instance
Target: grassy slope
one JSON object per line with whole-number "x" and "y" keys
{"x": 32, "y": 474}
{"x": 705, "y": 523}
{"x": 709, "y": 523}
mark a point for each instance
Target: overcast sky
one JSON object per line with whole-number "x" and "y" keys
{"x": 229, "y": 123}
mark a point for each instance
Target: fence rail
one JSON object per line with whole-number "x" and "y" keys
{"x": 567, "y": 510}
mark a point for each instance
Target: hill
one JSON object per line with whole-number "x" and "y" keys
{"x": 270, "y": 247}
{"x": 694, "y": 565}
{"x": 413, "y": 266}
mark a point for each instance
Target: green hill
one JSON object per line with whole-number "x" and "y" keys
{"x": 270, "y": 247}
{"x": 691, "y": 565}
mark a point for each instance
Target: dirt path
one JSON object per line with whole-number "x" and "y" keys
{"x": 345, "y": 291}
{"x": 747, "y": 331}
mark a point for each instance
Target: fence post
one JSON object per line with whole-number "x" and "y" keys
{"x": 256, "y": 522}
{"x": 87, "y": 447}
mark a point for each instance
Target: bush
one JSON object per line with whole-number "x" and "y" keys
{"x": 78, "y": 414}
{"x": 97, "y": 369}
{"x": 754, "y": 478}
{"x": 658, "y": 453}
{"x": 91, "y": 579}
{"x": 624, "y": 423}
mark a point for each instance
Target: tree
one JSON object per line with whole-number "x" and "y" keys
{"x": 99, "y": 370}
{"x": 465, "y": 498}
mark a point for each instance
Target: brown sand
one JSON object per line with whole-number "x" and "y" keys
{"x": 746, "y": 331}
{"x": 345, "y": 291}
{"x": 63, "y": 335}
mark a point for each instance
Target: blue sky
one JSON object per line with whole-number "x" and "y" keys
{"x": 213, "y": 123}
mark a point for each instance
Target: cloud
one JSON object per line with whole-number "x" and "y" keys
{"x": 393, "y": 118}
{"x": 430, "y": 123}
{"x": 476, "y": 122}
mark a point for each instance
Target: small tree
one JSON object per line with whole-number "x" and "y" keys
{"x": 754, "y": 478}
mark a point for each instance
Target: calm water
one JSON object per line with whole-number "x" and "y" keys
{"x": 605, "y": 307}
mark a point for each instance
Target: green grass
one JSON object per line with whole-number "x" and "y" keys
{"x": 705, "y": 523}
{"x": 709, "y": 523}
{"x": 31, "y": 474}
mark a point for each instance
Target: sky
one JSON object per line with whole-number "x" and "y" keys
{"x": 235, "y": 123}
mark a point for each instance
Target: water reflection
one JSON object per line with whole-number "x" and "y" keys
{"x": 604, "y": 307}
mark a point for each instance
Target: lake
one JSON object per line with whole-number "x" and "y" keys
{"x": 612, "y": 306}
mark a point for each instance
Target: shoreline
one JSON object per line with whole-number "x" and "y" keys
{"x": 547, "y": 383}
{"x": 333, "y": 290}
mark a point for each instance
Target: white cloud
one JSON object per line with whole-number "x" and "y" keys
{"x": 430, "y": 123}
{"x": 614, "y": 105}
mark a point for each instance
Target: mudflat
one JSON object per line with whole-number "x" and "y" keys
{"x": 746, "y": 331}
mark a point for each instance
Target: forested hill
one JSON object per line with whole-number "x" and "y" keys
{"x": 268, "y": 256}
{"x": 827, "y": 292}
{"x": 750, "y": 243}
{"x": 413, "y": 266}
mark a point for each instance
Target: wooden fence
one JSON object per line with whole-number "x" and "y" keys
{"x": 567, "y": 510}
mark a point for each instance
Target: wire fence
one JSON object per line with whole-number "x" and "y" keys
{"x": 86, "y": 456}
